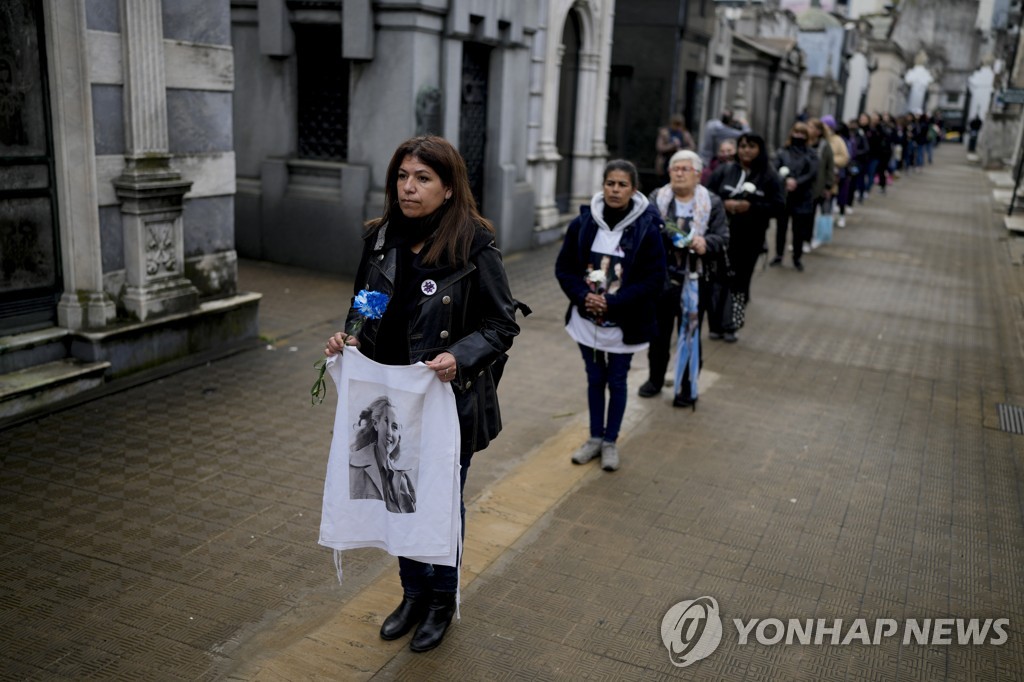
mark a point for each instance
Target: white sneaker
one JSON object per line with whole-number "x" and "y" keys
{"x": 587, "y": 451}
{"x": 609, "y": 456}
{"x": 842, "y": 221}
{"x": 813, "y": 245}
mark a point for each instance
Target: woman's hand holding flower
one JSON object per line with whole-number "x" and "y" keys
{"x": 596, "y": 304}
{"x": 698, "y": 245}
{"x": 737, "y": 205}
{"x": 337, "y": 343}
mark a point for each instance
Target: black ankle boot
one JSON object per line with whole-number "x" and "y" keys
{"x": 407, "y": 616}
{"x": 439, "y": 616}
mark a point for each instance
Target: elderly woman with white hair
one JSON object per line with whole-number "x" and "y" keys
{"x": 696, "y": 231}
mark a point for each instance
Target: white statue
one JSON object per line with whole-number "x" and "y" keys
{"x": 981, "y": 84}
{"x": 918, "y": 78}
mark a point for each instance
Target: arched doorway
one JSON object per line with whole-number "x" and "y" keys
{"x": 567, "y": 103}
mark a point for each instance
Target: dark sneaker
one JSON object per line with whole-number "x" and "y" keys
{"x": 775, "y": 262}
{"x": 649, "y": 390}
{"x": 799, "y": 266}
{"x": 715, "y": 336}
{"x": 730, "y": 337}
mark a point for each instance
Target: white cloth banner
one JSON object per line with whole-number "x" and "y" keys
{"x": 393, "y": 472}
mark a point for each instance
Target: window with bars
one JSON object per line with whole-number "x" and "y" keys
{"x": 323, "y": 80}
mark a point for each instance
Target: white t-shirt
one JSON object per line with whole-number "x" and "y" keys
{"x": 607, "y": 255}
{"x": 424, "y": 415}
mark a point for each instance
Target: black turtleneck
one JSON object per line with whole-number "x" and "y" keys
{"x": 403, "y": 234}
{"x": 614, "y": 216}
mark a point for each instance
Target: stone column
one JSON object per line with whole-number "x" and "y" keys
{"x": 83, "y": 303}
{"x": 152, "y": 194}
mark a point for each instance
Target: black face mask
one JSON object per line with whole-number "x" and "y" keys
{"x": 799, "y": 142}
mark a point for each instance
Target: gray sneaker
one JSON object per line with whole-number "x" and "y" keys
{"x": 587, "y": 451}
{"x": 609, "y": 456}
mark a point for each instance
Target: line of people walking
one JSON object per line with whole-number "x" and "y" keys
{"x": 639, "y": 268}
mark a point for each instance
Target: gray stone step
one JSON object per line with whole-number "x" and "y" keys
{"x": 34, "y": 388}
{"x": 28, "y": 349}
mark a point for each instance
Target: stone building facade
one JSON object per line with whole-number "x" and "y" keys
{"x": 116, "y": 208}
{"x": 325, "y": 91}
{"x": 660, "y": 60}
{"x": 767, "y": 80}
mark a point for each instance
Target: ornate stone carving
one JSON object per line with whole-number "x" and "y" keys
{"x": 160, "y": 248}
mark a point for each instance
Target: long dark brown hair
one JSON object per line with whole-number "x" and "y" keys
{"x": 458, "y": 217}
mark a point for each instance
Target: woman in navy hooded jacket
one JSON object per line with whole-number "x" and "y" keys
{"x": 612, "y": 268}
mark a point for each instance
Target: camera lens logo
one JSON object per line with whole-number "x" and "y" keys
{"x": 691, "y": 630}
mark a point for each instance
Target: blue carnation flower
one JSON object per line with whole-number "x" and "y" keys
{"x": 371, "y": 304}
{"x": 680, "y": 241}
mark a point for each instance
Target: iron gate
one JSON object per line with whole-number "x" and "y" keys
{"x": 473, "y": 120}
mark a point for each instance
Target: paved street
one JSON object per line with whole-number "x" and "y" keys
{"x": 846, "y": 460}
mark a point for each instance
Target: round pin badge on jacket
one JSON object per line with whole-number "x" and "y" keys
{"x": 429, "y": 287}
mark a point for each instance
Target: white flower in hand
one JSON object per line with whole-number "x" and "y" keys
{"x": 784, "y": 171}
{"x": 596, "y": 277}
{"x": 749, "y": 187}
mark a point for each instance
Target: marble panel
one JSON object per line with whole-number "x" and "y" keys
{"x": 198, "y": 21}
{"x": 209, "y": 225}
{"x": 108, "y": 118}
{"x": 103, "y": 15}
{"x": 111, "y": 238}
{"x": 199, "y": 121}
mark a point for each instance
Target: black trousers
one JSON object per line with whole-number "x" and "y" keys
{"x": 803, "y": 230}
{"x": 669, "y": 317}
{"x": 744, "y": 254}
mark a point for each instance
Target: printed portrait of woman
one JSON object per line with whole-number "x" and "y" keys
{"x": 378, "y": 470}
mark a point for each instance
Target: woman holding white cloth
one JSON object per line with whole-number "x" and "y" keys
{"x": 449, "y": 306}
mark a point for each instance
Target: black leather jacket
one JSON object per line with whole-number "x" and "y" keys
{"x": 471, "y": 315}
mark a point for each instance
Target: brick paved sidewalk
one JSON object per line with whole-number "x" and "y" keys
{"x": 845, "y": 461}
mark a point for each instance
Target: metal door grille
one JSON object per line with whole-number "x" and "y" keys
{"x": 473, "y": 119}
{"x": 323, "y": 77}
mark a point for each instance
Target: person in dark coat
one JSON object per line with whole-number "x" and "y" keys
{"x": 612, "y": 268}
{"x": 451, "y": 308}
{"x": 798, "y": 165}
{"x": 752, "y": 195}
{"x": 695, "y": 233}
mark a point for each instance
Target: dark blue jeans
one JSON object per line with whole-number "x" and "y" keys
{"x": 418, "y": 577}
{"x": 606, "y": 371}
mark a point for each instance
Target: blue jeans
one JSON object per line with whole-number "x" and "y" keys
{"x": 606, "y": 371}
{"x": 418, "y": 577}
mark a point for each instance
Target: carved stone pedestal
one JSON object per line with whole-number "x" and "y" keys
{"x": 155, "y": 283}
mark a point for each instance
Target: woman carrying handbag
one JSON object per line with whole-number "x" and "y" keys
{"x": 752, "y": 194}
